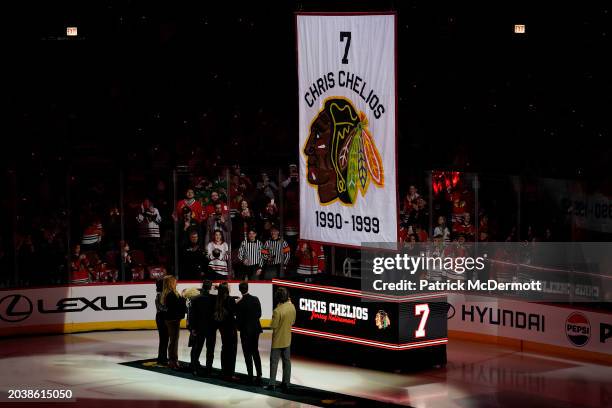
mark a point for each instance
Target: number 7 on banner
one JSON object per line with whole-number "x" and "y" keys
{"x": 422, "y": 309}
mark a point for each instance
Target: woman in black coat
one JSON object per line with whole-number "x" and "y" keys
{"x": 160, "y": 321}
{"x": 175, "y": 312}
{"x": 224, "y": 316}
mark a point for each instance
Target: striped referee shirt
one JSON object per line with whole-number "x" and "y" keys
{"x": 276, "y": 252}
{"x": 250, "y": 253}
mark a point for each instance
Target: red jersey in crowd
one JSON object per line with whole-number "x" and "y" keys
{"x": 403, "y": 234}
{"x": 466, "y": 229}
{"x": 79, "y": 272}
{"x": 210, "y": 209}
{"x": 197, "y": 211}
{"x": 422, "y": 235}
{"x": 311, "y": 258}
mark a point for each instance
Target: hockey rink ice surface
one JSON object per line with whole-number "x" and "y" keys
{"x": 477, "y": 375}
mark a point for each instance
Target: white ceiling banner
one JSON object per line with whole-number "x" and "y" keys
{"x": 347, "y": 128}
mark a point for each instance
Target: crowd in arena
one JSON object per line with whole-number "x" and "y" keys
{"x": 227, "y": 224}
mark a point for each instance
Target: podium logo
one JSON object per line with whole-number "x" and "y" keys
{"x": 382, "y": 320}
{"x": 15, "y": 308}
{"x": 578, "y": 329}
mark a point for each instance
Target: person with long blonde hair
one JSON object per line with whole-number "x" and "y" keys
{"x": 175, "y": 312}
{"x": 160, "y": 322}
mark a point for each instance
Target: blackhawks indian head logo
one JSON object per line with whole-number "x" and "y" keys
{"x": 342, "y": 158}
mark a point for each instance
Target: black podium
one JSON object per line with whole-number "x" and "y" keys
{"x": 337, "y": 321}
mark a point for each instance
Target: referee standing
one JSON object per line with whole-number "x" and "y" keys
{"x": 251, "y": 256}
{"x": 276, "y": 254}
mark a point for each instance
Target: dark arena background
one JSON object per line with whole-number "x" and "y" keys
{"x": 290, "y": 145}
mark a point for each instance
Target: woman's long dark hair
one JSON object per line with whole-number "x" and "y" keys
{"x": 222, "y": 295}
{"x": 215, "y": 236}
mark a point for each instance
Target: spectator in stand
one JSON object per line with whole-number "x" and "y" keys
{"x": 242, "y": 223}
{"x": 291, "y": 189}
{"x": 92, "y": 236}
{"x": 245, "y": 183}
{"x": 236, "y": 197}
{"x": 123, "y": 261}
{"x": 266, "y": 228}
{"x": 175, "y": 312}
{"x": 420, "y": 233}
{"x": 197, "y": 212}
{"x": 422, "y": 215}
{"x": 148, "y": 230}
{"x": 102, "y": 272}
{"x": 310, "y": 258}
{"x": 251, "y": 257}
{"x": 442, "y": 230}
{"x": 219, "y": 221}
{"x": 293, "y": 176}
{"x": 505, "y": 271}
{"x": 269, "y": 214}
{"x": 437, "y": 250}
{"x": 483, "y": 228}
{"x": 187, "y": 225}
{"x": 458, "y": 213}
{"x": 276, "y": 254}
{"x": 466, "y": 228}
{"x": 211, "y": 207}
{"x": 202, "y": 189}
{"x": 79, "y": 268}
{"x": 404, "y": 231}
{"x": 410, "y": 246}
{"x": 219, "y": 182}
{"x": 456, "y": 250}
{"x": 410, "y": 199}
{"x": 267, "y": 186}
{"x": 218, "y": 255}
{"x": 418, "y": 214}
{"x": 193, "y": 258}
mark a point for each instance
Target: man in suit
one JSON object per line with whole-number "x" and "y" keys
{"x": 203, "y": 328}
{"x": 283, "y": 318}
{"x": 248, "y": 313}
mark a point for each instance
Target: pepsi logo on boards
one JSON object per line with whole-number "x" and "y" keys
{"x": 578, "y": 329}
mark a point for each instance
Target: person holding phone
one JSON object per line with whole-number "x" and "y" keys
{"x": 218, "y": 221}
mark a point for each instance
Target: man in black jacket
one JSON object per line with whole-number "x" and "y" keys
{"x": 203, "y": 328}
{"x": 248, "y": 313}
